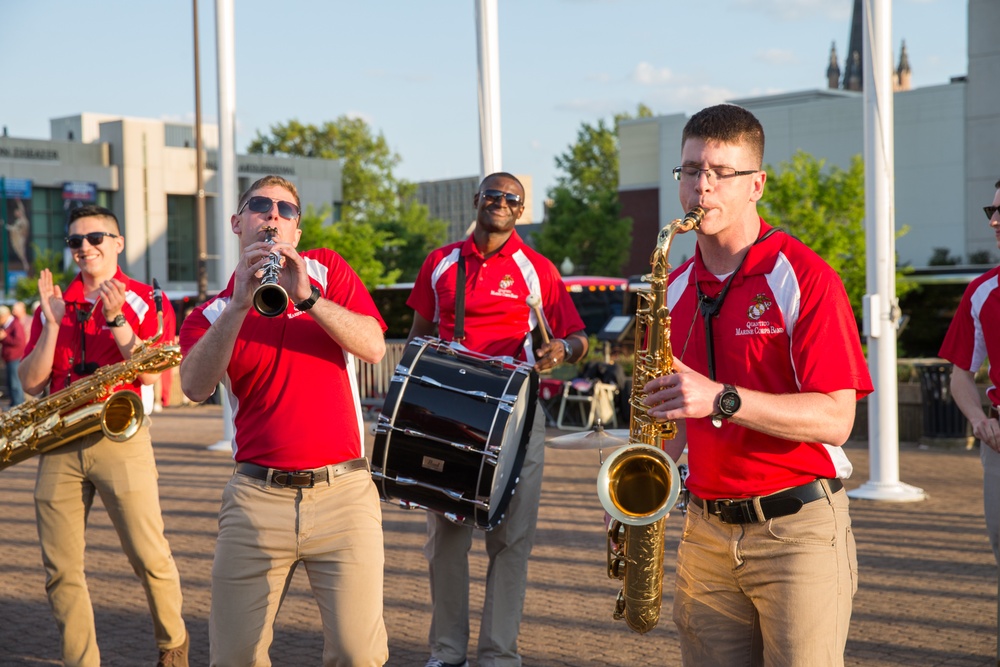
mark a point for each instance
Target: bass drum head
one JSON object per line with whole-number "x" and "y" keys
{"x": 513, "y": 446}
{"x": 452, "y": 434}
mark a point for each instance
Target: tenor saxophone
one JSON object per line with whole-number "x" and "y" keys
{"x": 85, "y": 406}
{"x": 639, "y": 483}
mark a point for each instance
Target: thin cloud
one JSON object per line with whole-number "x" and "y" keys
{"x": 647, "y": 74}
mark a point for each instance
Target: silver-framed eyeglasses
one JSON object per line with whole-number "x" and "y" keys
{"x": 689, "y": 172}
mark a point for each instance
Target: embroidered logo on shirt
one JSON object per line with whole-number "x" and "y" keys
{"x": 755, "y": 325}
{"x": 505, "y": 284}
{"x": 758, "y": 306}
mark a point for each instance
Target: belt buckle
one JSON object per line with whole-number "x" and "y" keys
{"x": 738, "y": 511}
{"x": 298, "y": 479}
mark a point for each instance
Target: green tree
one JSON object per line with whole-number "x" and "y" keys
{"x": 372, "y": 195}
{"x": 26, "y": 288}
{"x": 584, "y": 221}
{"x": 356, "y": 243}
{"x": 413, "y": 234}
{"x": 826, "y": 210}
{"x": 369, "y": 186}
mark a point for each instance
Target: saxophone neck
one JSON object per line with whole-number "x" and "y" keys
{"x": 658, "y": 260}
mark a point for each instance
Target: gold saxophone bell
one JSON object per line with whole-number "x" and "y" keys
{"x": 270, "y": 299}
{"x": 639, "y": 483}
{"x": 37, "y": 426}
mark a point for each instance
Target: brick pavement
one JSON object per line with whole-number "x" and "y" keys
{"x": 927, "y": 594}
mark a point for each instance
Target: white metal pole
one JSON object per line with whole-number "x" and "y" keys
{"x": 487, "y": 39}
{"x": 880, "y": 303}
{"x": 225, "y": 45}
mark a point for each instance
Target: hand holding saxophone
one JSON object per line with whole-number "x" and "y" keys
{"x": 681, "y": 394}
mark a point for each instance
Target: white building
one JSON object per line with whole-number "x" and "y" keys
{"x": 947, "y": 153}
{"x": 144, "y": 171}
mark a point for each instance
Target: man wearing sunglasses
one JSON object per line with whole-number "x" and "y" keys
{"x": 301, "y": 490}
{"x": 971, "y": 341}
{"x": 499, "y": 273}
{"x": 98, "y": 320}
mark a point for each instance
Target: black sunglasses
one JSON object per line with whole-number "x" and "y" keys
{"x": 511, "y": 199}
{"x": 75, "y": 241}
{"x": 990, "y": 211}
{"x": 286, "y": 209}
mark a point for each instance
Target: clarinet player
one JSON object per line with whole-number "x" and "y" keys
{"x": 301, "y": 490}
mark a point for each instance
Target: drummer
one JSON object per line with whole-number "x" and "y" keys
{"x": 475, "y": 292}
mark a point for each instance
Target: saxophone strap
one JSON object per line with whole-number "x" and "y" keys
{"x": 711, "y": 306}
{"x": 459, "y": 335}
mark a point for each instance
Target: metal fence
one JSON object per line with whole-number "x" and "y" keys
{"x": 374, "y": 379}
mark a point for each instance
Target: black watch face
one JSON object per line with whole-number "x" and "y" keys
{"x": 729, "y": 403}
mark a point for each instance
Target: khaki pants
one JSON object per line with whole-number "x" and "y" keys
{"x": 124, "y": 474}
{"x": 508, "y": 547}
{"x": 777, "y": 593}
{"x": 335, "y": 530}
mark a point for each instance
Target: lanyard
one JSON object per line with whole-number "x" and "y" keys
{"x": 711, "y": 306}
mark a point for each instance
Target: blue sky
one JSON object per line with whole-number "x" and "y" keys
{"x": 408, "y": 67}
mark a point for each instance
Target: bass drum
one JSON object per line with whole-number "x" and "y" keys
{"x": 453, "y": 432}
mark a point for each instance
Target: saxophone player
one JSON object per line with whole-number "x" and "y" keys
{"x": 301, "y": 490}
{"x": 99, "y": 320}
{"x": 768, "y": 369}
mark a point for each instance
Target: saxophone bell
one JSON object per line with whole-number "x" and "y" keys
{"x": 640, "y": 483}
{"x": 270, "y": 299}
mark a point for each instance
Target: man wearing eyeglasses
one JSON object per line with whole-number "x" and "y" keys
{"x": 501, "y": 272}
{"x": 301, "y": 490}
{"x": 99, "y": 320}
{"x": 972, "y": 340}
{"x": 768, "y": 369}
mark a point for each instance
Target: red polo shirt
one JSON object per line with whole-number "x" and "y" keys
{"x": 292, "y": 388}
{"x": 785, "y": 327}
{"x": 97, "y": 343}
{"x": 497, "y": 316}
{"x": 972, "y": 336}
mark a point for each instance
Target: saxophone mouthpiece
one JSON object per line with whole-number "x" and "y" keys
{"x": 693, "y": 218}
{"x": 157, "y": 296}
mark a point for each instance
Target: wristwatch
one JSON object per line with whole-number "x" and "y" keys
{"x": 567, "y": 348}
{"x": 309, "y": 301}
{"x": 119, "y": 321}
{"x": 729, "y": 405}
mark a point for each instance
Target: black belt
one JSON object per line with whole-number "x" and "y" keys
{"x": 300, "y": 479}
{"x": 782, "y": 503}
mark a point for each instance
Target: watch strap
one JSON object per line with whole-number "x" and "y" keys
{"x": 118, "y": 321}
{"x": 309, "y": 301}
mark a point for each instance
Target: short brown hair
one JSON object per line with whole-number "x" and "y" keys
{"x": 92, "y": 211}
{"x": 729, "y": 124}
{"x": 271, "y": 179}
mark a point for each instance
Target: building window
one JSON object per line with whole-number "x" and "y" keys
{"x": 49, "y": 214}
{"x": 182, "y": 238}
